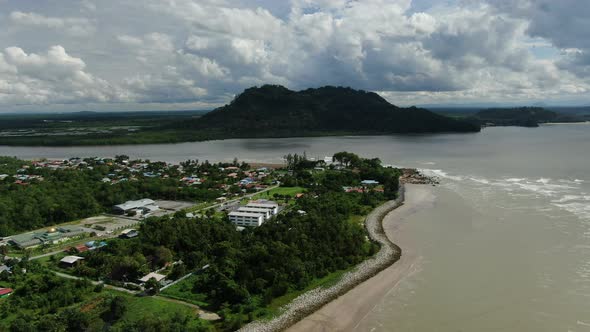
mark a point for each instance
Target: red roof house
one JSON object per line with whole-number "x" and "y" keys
{"x": 5, "y": 292}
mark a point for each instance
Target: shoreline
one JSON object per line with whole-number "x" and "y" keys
{"x": 300, "y": 310}
{"x": 350, "y": 311}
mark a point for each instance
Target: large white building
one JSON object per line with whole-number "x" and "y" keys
{"x": 246, "y": 218}
{"x": 254, "y": 213}
{"x": 269, "y": 206}
{"x": 266, "y": 213}
{"x": 145, "y": 205}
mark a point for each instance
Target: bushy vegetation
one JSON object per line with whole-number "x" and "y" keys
{"x": 69, "y": 194}
{"x": 42, "y": 301}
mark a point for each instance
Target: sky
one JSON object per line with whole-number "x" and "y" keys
{"x": 108, "y": 55}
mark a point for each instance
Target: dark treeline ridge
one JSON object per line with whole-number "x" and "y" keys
{"x": 522, "y": 116}
{"x": 85, "y": 119}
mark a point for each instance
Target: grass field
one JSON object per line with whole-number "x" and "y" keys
{"x": 285, "y": 191}
{"x": 140, "y": 307}
{"x": 183, "y": 291}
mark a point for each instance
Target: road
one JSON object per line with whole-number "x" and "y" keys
{"x": 233, "y": 201}
{"x": 120, "y": 289}
{"x": 206, "y": 315}
{"x": 237, "y": 200}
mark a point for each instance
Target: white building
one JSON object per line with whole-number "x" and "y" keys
{"x": 70, "y": 261}
{"x": 246, "y": 218}
{"x": 266, "y": 213}
{"x": 152, "y": 275}
{"x": 254, "y": 213}
{"x": 134, "y": 205}
{"x": 269, "y": 206}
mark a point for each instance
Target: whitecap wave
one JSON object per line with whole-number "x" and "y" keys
{"x": 564, "y": 194}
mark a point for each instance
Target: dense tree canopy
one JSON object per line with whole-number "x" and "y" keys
{"x": 70, "y": 194}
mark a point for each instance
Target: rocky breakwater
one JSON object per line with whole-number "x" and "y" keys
{"x": 413, "y": 176}
{"x": 311, "y": 301}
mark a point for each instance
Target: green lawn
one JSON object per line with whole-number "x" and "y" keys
{"x": 290, "y": 191}
{"x": 183, "y": 291}
{"x": 140, "y": 307}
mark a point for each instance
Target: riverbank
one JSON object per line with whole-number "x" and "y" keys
{"x": 308, "y": 303}
{"x": 347, "y": 312}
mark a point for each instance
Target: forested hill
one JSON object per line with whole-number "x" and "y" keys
{"x": 274, "y": 111}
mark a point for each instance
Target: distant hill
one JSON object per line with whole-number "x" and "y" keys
{"x": 522, "y": 116}
{"x": 275, "y": 111}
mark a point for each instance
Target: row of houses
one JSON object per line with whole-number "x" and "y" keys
{"x": 254, "y": 214}
{"x": 73, "y": 261}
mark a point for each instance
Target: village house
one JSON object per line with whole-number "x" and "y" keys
{"x": 70, "y": 261}
{"x": 5, "y": 292}
{"x": 144, "y": 205}
{"x": 129, "y": 234}
{"x": 152, "y": 275}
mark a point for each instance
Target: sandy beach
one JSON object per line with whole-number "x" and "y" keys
{"x": 347, "y": 313}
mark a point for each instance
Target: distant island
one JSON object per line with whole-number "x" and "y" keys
{"x": 522, "y": 116}
{"x": 266, "y": 111}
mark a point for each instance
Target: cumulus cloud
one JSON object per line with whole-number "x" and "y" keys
{"x": 53, "y": 77}
{"x": 73, "y": 26}
{"x": 176, "y": 52}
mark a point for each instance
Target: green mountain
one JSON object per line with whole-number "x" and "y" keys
{"x": 275, "y": 111}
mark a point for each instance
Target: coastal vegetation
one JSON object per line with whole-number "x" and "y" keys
{"x": 241, "y": 274}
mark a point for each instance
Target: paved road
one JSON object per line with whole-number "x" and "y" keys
{"x": 237, "y": 200}
{"x": 68, "y": 276}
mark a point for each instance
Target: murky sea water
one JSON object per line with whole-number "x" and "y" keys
{"x": 506, "y": 245}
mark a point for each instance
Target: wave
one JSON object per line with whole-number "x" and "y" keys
{"x": 565, "y": 194}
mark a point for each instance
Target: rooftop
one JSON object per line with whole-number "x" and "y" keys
{"x": 262, "y": 205}
{"x": 71, "y": 259}
{"x": 157, "y": 276}
{"x": 245, "y": 214}
{"x": 252, "y": 210}
{"x": 135, "y": 204}
{"x": 5, "y": 291}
